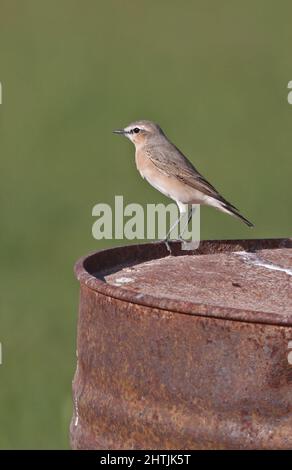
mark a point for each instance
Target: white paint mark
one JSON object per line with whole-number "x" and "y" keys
{"x": 123, "y": 280}
{"x": 76, "y": 412}
{"x": 139, "y": 296}
{"x": 252, "y": 258}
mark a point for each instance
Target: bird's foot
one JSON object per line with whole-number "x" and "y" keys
{"x": 166, "y": 240}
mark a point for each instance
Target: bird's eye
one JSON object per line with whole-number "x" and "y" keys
{"x": 136, "y": 130}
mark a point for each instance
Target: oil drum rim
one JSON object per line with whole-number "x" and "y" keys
{"x": 142, "y": 252}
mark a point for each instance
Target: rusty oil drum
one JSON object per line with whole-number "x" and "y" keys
{"x": 190, "y": 351}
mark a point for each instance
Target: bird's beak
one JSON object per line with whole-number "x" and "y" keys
{"x": 119, "y": 131}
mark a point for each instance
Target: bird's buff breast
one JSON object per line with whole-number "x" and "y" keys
{"x": 168, "y": 185}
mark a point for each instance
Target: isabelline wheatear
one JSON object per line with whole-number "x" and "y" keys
{"x": 165, "y": 167}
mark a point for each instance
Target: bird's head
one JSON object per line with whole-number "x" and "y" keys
{"x": 141, "y": 132}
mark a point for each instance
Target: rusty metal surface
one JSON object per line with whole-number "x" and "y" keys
{"x": 196, "y": 368}
{"x": 224, "y": 286}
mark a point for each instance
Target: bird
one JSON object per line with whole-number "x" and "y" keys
{"x": 169, "y": 171}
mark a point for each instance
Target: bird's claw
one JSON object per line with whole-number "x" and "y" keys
{"x": 166, "y": 240}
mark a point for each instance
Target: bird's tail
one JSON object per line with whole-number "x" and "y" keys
{"x": 237, "y": 214}
{"x": 228, "y": 208}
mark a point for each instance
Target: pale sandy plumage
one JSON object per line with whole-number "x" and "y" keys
{"x": 165, "y": 167}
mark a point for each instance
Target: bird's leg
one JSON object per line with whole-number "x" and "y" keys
{"x": 190, "y": 215}
{"x": 166, "y": 240}
{"x": 167, "y": 245}
{"x": 173, "y": 227}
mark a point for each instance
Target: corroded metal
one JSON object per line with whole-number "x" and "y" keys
{"x": 185, "y": 352}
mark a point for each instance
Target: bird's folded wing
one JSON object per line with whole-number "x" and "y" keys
{"x": 172, "y": 162}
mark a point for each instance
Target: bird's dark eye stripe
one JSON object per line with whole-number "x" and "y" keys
{"x": 136, "y": 130}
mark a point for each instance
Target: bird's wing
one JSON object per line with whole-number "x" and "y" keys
{"x": 171, "y": 161}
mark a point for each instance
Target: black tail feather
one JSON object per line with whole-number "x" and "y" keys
{"x": 237, "y": 214}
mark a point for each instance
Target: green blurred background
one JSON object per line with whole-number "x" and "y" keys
{"x": 213, "y": 74}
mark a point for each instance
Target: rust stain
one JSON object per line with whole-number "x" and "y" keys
{"x": 184, "y": 352}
